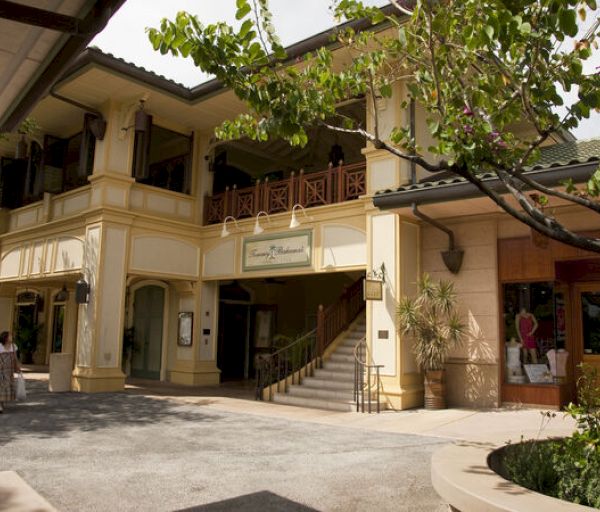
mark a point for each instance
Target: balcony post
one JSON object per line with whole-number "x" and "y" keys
{"x": 341, "y": 193}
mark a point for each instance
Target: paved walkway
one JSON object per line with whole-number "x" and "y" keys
{"x": 170, "y": 448}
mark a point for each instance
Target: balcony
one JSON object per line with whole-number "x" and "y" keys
{"x": 333, "y": 185}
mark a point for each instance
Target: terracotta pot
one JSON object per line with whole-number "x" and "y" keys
{"x": 435, "y": 389}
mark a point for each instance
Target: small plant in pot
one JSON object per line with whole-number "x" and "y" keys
{"x": 433, "y": 321}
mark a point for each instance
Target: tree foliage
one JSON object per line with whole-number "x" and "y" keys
{"x": 480, "y": 68}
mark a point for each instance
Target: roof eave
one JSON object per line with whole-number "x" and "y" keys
{"x": 465, "y": 190}
{"x": 64, "y": 54}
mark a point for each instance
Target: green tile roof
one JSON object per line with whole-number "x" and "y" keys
{"x": 557, "y": 155}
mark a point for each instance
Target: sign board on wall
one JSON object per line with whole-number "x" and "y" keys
{"x": 278, "y": 251}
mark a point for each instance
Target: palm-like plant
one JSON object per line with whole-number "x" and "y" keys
{"x": 432, "y": 319}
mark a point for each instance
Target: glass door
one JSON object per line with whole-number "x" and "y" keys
{"x": 148, "y": 330}
{"x": 587, "y": 324}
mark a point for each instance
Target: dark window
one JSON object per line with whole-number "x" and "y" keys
{"x": 162, "y": 158}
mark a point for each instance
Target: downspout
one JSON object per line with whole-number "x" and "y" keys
{"x": 97, "y": 125}
{"x": 413, "y": 137}
{"x": 452, "y": 257}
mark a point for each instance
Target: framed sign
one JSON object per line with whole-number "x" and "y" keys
{"x": 184, "y": 329}
{"x": 278, "y": 251}
{"x": 372, "y": 289}
{"x": 538, "y": 373}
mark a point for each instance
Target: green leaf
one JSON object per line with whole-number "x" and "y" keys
{"x": 525, "y": 28}
{"x": 568, "y": 21}
{"x": 245, "y": 28}
{"x": 242, "y": 11}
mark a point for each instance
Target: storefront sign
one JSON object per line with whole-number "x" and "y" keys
{"x": 278, "y": 251}
{"x": 372, "y": 289}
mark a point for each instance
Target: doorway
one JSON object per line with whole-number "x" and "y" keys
{"x": 148, "y": 312}
{"x": 586, "y": 324}
{"x": 233, "y": 341}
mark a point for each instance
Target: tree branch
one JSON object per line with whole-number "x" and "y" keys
{"x": 379, "y": 144}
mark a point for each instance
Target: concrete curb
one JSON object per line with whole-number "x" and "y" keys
{"x": 17, "y": 496}
{"x": 461, "y": 476}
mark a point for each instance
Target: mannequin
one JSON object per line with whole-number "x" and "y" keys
{"x": 558, "y": 364}
{"x": 514, "y": 372}
{"x": 527, "y": 325}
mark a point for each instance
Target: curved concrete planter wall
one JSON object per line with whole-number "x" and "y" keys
{"x": 461, "y": 476}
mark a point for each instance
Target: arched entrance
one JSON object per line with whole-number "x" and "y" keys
{"x": 27, "y": 327}
{"x": 148, "y": 327}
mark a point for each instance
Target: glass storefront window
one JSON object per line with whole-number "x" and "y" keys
{"x": 590, "y": 313}
{"x": 531, "y": 330}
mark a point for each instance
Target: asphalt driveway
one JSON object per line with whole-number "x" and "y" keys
{"x": 135, "y": 452}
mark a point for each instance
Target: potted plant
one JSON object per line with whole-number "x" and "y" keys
{"x": 431, "y": 318}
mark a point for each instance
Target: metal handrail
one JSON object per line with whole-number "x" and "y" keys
{"x": 361, "y": 367}
{"x": 285, "y": 362}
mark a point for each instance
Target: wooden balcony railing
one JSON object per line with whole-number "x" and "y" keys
{"x": 334, "y": 185}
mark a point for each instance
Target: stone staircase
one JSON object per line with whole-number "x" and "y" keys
{"x": 331, "y": 387}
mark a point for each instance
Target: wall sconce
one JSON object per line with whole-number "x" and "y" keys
{"x": 258, "y": 229}
{"x": 63, "y": 295}
{"x": 82, "y": 292}
{"x": 22, "y": 146}
{"x": 294, "y": 222}
{"x": 225, "y": 231}
{"x": 142, "y": 119}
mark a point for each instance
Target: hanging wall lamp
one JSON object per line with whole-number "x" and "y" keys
{"x": 294, "y": 222}
{"x": 82, "y": 291}
{"x": 258, "y": 229}
{"x": 63, "y": 295}
{"x": 225, "y": 231}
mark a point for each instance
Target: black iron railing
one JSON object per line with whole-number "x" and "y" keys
{"x": 367, "y": 381}
{"x": 276, "y": 371}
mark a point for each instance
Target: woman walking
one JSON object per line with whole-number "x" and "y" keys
{"x": 9, "y": 365}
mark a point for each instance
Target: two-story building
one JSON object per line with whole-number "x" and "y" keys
{"x": 137, "y": 243}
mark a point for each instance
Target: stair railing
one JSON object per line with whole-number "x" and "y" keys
{"x": 367, "y": 379}
{"x": 289, "y": 363}
{"x": 331, "y": 321}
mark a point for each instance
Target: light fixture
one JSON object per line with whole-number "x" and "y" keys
{"x": 258, "y": 229}
{"x": 63, "y": 295}
{"x": 22, "y": 146}
{"x": 82, "y": 291}
{"x": 142, "y": 121}
{"x": 294, "y": 222}
{"x": 225, "y": 231}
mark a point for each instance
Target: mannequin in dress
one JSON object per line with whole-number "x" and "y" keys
{"x": 526, "y": 325}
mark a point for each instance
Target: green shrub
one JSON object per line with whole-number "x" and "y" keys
{"x": 526, "y": 464}
{"x": 568, "y": 468}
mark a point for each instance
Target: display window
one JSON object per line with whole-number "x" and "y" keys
{"x": 534, "y": 333}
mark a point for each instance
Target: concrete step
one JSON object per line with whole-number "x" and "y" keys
{"x": 340, "y": 385}
{"x": 344, "y": 350}
{"x": 314, "y": 403}
{"x": 334, "y": 375}
{"x": 339, "y": 366}
{"x": 337, "y": 357}
{"x": 321, "y": 394}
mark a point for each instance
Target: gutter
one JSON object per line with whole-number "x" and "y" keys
{"x": 464, "y": 190}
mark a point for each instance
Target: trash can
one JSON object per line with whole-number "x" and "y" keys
{"x": 61, "y": 366}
